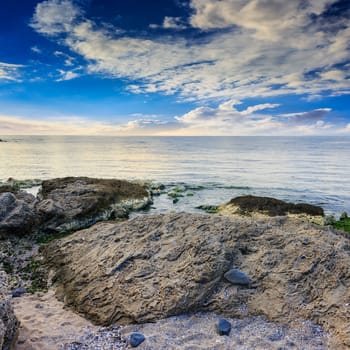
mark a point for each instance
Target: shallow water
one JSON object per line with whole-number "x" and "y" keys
{"x": 309, "y": 169}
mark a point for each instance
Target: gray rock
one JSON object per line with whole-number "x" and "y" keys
{"x": 16, "y": 214}
{"x": 73, "y": 203}
{"x": 8, "y": 321}
{"x": 224, "y": 327}
{"x": 18, "y": 292}
{"x": 237, "y": 277}
{"x": 136, "y": 339}
{"x": 152, "y": 267}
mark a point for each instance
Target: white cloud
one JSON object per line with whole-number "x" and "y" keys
{"x": 9, "y": 71}
{"x": 170, "y": 23}
{"x": 315, "y": 114}
{"x": 269, "y": 48}
{"x": 16, "y": 125}
{"x": 222, "y": 120}
{"x": 173, "y": 23}
{"x": 67, "y": 75}
{"x": 53, "y": 17}
{"x": 36, "y": 49}
{"x": 68, "y": 60}
{"x": 269, "y": 20}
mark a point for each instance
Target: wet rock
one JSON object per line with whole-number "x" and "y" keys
{"x": 8, "y": 321}
{"x": 14, "y": 186}
{"x": 72, "y": 203}
{"x": 152, "y": 267}
{"x": 17, "y": 215}
{"x": 237, "y": 277}
{"x": 224, "y": 327}
{"x": 247, "y": 205}
{"x": 136, "y": 339}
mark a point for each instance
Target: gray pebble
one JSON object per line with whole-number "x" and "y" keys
{"x": 237, "y": 277}
{"x": 136, "y": 339}
{"x": 18, "y": 292}
{"x": 224, "y": 327}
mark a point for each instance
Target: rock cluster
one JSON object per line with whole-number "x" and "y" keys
{"x": 157, "y": 266}
{"x": 8, "y": 321}
{"x": 67, "y": 204}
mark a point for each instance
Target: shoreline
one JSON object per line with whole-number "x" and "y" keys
{"x": 34, "y": 265}
{"x": 182, "y": 196}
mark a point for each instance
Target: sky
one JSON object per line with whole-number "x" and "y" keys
{"x": 175, "y": 67}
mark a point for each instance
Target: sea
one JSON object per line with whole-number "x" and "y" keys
{"x": 212, "y": 170}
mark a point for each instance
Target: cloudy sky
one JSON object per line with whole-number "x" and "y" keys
{"x": 175, "y": 67}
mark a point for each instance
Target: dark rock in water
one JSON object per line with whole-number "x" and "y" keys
{"x": 18, "y": 292}
{"x": 8, "y": 321}
{"x": 237, "y": 277}
{"x": 224, "y": 327}
{"x": 136, "y": 339}
{"x": 273, "y": 206}
{"x": 1, "y": 140}
{"x": 72, "y": 203}
{"x": 17, "y": 215}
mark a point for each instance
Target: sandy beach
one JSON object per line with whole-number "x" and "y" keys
{"x": 47, "y": 325}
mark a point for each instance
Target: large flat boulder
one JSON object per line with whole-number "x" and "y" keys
{"x": 8, "y": 321}
{"x": 17, "y": 214}
{"x": 72, "y": 203}
{"x": 152, "y": 267}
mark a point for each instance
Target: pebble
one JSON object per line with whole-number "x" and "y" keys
{"x": 237, "y": 277}
{"x": 18, "y": 292}
{"x": 136, "y": 339}
{"x": 224, "y": 327}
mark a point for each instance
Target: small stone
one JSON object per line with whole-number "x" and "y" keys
{"x": 224, "y": 327}
{"x": 136, "y": 339}
{"x": 237, "y": 277}
{"x": 18, "y": 292}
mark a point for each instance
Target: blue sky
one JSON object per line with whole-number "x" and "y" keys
{"x": 175, "y": 67}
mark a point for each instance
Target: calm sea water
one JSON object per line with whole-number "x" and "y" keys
{"x": 310, "y": 169}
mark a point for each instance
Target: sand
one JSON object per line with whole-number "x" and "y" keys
{"x": 47, "y": 325}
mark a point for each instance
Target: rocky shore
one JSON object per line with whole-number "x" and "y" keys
{"x": 278, "y": 279}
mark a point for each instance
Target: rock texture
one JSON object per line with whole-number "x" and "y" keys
{"x": 17, "y": 215}
{"x": 8, "y": 321}
{"x": 255, "y": 207}
{"x": 156, "y": 266}
{"x": 72, "y": 203}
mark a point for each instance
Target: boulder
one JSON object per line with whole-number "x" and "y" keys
{"x": 8, "y": 321}
{"x": 152, "y": 267}
{"x": 17, "y": 215}
{"x": 72, "y": 203}
{"x": 255, "y": 206}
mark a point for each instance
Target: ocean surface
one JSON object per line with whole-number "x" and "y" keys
{"x": 298, "y": 169}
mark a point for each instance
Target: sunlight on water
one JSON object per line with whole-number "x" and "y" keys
{"x": 313, "y": 169}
